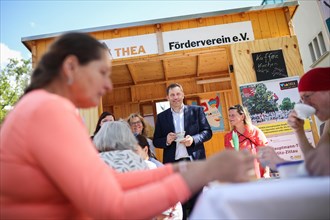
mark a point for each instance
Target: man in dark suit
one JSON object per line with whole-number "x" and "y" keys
{"x": 181, "y": 118}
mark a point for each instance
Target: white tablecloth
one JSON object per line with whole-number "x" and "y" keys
{"x": 297, "y": 198}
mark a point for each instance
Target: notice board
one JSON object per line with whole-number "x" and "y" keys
{"x": 269, "y": 65}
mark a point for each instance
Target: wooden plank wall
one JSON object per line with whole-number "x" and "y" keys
{"x": 242, "y": 60}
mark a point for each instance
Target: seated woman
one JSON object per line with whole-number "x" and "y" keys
{"x": 145, "y": 152}
{"x": 104, "y": 117}
{"x": 138, "y": 126}
{"x": 117, "y": 147}
{"x": 175, "y": 212}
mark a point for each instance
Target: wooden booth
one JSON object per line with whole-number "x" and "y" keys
{"x": 209, "y": 54}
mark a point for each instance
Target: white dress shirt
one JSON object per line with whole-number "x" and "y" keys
{"x": 178, "y": 120}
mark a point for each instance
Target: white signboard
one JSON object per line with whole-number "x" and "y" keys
{"x": 132, "y": 46}
{"x": 286, "y": 146}
{"x": 209, "y": 36}
{"x": 186, "y": 39}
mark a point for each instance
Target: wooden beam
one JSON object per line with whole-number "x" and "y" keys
{"x": 221, "y": 74}
{"x": 34, "y": 54}
{"x": 165, "y": 65}
{"x": 198, "y": 65}
{"x": 207, "y": 81}
{"x": 289, "y": 20}
{"x": 161, "y": 99}
{"x": 167, "y": 56}
{"x": 131, "y": 71}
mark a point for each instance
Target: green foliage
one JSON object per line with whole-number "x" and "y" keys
{"x": 262, "y": 101}
{"x": 287, "y": 104}
{"x": 13, "y": 80}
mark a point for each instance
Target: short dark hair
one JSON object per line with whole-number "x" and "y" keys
{"x": 142, "y": 140}
{"x": 102, "y": 116}
{"x": 173, "y": 85}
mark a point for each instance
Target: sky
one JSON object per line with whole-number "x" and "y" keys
{"x": 20, "y": 19}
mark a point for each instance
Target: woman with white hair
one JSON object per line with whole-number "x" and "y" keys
{"x": 117, "y": 147}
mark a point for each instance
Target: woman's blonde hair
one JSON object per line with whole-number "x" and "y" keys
{"x": 137, "y": 115}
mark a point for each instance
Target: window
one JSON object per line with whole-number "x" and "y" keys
{"x": 310, "y": 45}
{"x": 317, "y": 47}
{"x": 322, "y": 43}
{"x": 162, "y": 106}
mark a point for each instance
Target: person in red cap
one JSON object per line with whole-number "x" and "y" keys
{"x": 314, "y": 90}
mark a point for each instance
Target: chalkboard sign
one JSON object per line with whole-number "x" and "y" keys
{"x": 269, "y": 65}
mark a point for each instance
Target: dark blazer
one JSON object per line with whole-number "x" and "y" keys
{"x": 195, "y": 124}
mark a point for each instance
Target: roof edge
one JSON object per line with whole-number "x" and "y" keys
{"x": 162, "y": 20}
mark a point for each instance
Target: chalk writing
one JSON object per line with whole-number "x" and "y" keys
{"x": 269, "y": 65}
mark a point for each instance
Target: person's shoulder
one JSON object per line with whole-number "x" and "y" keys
{"x": 228, "y": 134}
{"x": 41, "y": 98}
{"x": 194, "y": 108}
{"x": 149, "y": 141}
{"x": 39, "y": 103}
{"x": 124, "y": 160}
{"x": 150, "y": 164}
{"x": 255, "y": 128}
{"x": 165, "y": 112}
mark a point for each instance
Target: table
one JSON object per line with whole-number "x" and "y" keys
{"x": 296, "y": 198}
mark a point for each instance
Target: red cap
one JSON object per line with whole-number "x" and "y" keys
{"x": 317, "y": 79}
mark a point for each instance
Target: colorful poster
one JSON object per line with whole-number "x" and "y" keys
{"x": 281, "y": 127}
{"x": 269, "y": 104}
{"x": 270, "y": 101}
{"x": 213, "y": 112}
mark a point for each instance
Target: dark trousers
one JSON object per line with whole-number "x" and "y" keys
{"x": 188, "y": 206}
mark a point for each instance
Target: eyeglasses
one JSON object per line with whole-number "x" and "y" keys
{"x": 135, "y": 123}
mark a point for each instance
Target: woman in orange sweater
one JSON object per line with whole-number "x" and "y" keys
{"x": 49, "y": 168}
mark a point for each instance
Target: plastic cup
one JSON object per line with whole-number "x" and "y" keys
{"x": 304, "y": 111}
{"x": 180, "y": 136}
{"x": 290, "y": 169}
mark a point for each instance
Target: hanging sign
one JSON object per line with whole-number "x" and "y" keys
{"x": 209, "y": 36}
{"x": 125, "y": 47}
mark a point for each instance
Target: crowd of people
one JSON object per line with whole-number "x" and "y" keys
{"x": 51, "y": 168}
{"x": 269, "y": 116}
